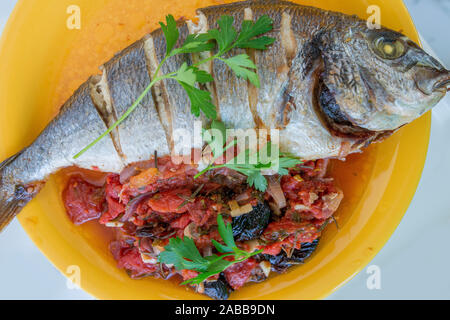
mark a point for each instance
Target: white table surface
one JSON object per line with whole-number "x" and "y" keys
{"x": 414, "y": 264}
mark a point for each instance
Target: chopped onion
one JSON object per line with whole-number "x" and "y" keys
{"x": 114, "y": 224}
{"x": 333, "y": 200}
{"x": 234, "y": 206}
{"x": 207, "y": 251}
{"x": 243, "y": 196}
{"x": 301, "y": 207}
{"x": 274, "y": 189}
{"x": 252, "y": 245}
{"x": 127, "y": 173}
{"x": 265, "y": 267}
{"x": 246, "y": 209}
{"x": 237, "y": 211}
{"x": 133, "y": 204}
{"x": 200, "y": 288}
{"x": 157, "y": 248}
{"x": 188, "y": 231}
{"x": 146, "y": 258}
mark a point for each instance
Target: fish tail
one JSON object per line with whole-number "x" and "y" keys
{"x": 13, "y": 195}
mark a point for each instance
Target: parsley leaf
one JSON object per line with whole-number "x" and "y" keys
{"x": 254, "y": 172}
{"x": 260, "y": 43}
{"x": 200, "y": 100}
{"x": 202, "y": 76}
{"x": 183, "y": 254}
{"x": 225, "y": 35}
{"x": 257, "y": 180}
{"x": 215, "y": 137}
{"x": 226, "y": 233}
{"x": 215, "y": 267}
{"x": 265, "y": 161}
{"x": 171, "y": 33}
{"x": 195, "y": 43}
{"x": 241, "y": 65}
{"x": 250, "y": 30}
{"x": 192, "y": 75}
{"x": 186, "y": 75}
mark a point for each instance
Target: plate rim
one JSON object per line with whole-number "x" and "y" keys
{"x": 16, "y": 15}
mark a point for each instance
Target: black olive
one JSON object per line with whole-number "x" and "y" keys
{"x": 251, "y": 225}
{"x": 281, "y": 262}
{"x": 218, "y": 290}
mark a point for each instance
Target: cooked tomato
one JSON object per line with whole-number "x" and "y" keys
{"x": 294, "y": 241}
{"x": 202, "y": 210}
{"x": 188, "y": 274}
{"x": 145, "y": 178}
{"x": 157, "y": 204}
{"x": 129, "y": 258}
{"x": 112, "y": 191}
{"x": 204, "y": 240}
{"x": 83, "y": 201}
{"x": 181, "y": 222}
{"x": 239, "y": 273}
{"x": 280, "y": 230}
{"x": 113, "y": 186}
{"x": 170, "y": 201}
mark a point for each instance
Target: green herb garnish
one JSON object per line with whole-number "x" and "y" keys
{"x": 183, "y": 254}
{"x": 253, "y": 171}
{"x": 225, "y": 38}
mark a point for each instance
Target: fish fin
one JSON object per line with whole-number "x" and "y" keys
{"x": 13, "y": 197}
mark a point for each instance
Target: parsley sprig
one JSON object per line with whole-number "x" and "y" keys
{"x": 253, "y": 171}
{"x": 183, "y": 254}
{"x": 225, "y": 38}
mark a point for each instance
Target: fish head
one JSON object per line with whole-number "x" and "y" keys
{"x": 379, "y": 79}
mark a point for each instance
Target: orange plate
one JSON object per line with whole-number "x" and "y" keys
{"x": 42, "y": 62}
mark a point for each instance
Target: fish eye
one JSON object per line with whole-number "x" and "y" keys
{"x": 389, "y": 48}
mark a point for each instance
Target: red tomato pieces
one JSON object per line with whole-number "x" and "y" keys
{"x": 239, "y": 273}
{"x": 83, "y": 201}
{"x": 129, "y": 258}
{"x": 170, "y": 201}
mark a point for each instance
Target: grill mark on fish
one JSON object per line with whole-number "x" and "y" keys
{"x": 158, "y": 91}
{"x": 252, "y": 90}
{"x": 288, "y": 40}
{"x": 101, "y": 99}
{"x": 290, "y": 46}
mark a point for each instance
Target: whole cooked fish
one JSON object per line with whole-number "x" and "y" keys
{"x": 329, "y": 83}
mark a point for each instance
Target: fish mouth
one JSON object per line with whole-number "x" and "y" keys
{"x": 433, "y": 81}
{"x": 442, "y": 85}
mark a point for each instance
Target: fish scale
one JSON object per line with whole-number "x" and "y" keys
{"x": 305, "y": 92}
